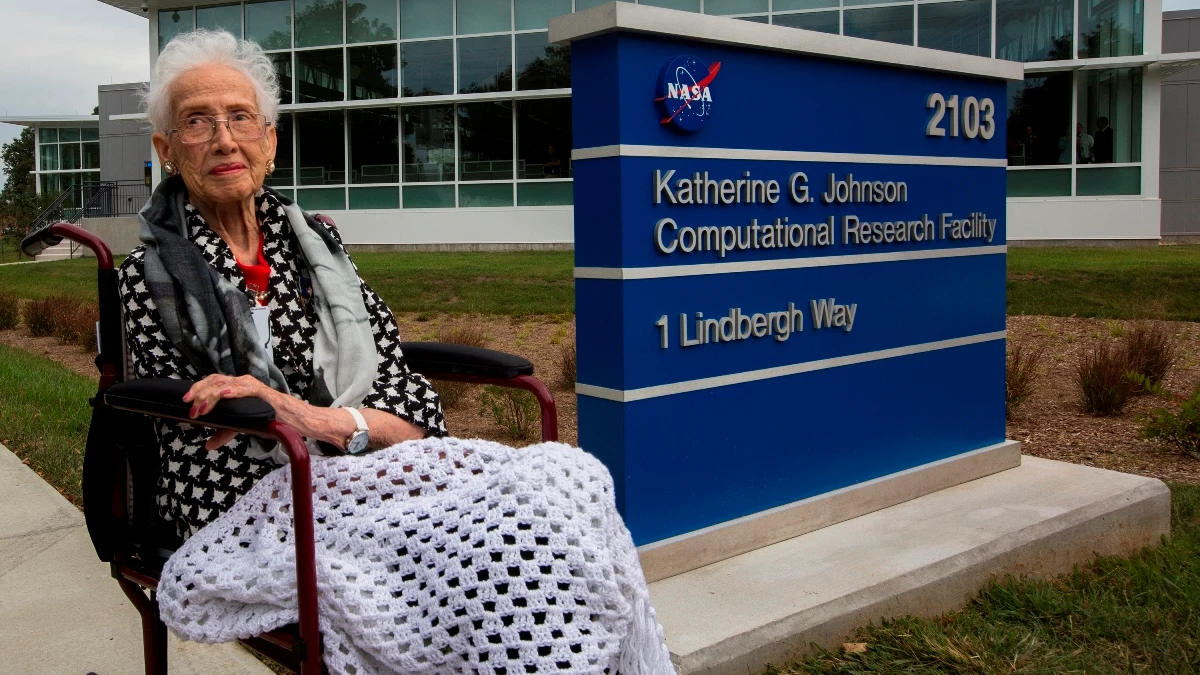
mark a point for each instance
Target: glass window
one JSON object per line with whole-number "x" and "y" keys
{"x": 735, "y": 6}
{"x": 485, "y": 64}
{"x": 1039, "y": 117}
{"x": 374, "y": 145}
{"x": 1110, "y": 28}
{"x": 1039, "y": 183}
{"x": 545, "y": 194}
{"x": 172, "y": 22}
{"x": 372, "y": 72}
{"x": 428, "y": 196}
{"x": 824, "y": 22}
{"x": 886, "y": 24}
{"x": 427, "y": 68}
{"x": 91, "y": 155}
{"x": 536, "y": 14}
{"x": 370, "y": 21}
{"x": 89, "y": 133}
{"x": 581, "y": 5}
{"x": 428, "y": 145}
{"x": 269, "y": 24}
{"x": 319, "y": 76}
{"x": 289, "y": 193}
{"x": 68, "y": 135}
{"x": 1034, "y": 30}
{"x": 426, "y": 18}
{"x": 49, "y": 157}
{"x": 789, "y": 5}
{"x": 483, "y": 16}
{"x": 683, "y": 5}
{"x": 485, "y": 141}
{"x": 486, "y": 194}
{"x": 544, "y": 138}
{"x": 541, "y": 65}
{"x": 321, "y": 200}
{"x": 224, "y": 17}
{"x": 1109, "y": 180}
{"x": 69, "y": 156}
{"x": 754, "y": 19}
{"x": 375, "y": 198}
{"x": 964, "y": 26}
{"x": 48, "y": 135}
{"x": 283, "y": 72}
{"x": 50, "y": 184}
{"x": 318, "y": 23}
{"x": 283, "y": 174}
{"x": 321, "y": 146}
{"x": 1110, "y": 110}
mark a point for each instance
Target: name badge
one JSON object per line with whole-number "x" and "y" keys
{"x": 262, "y": 323}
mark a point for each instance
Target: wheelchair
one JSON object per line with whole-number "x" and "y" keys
{"x": 120, "y": 465}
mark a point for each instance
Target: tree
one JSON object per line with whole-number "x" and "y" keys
{"x": 19, "y": 201}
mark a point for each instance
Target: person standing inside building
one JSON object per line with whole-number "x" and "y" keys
{"x": 1084, "y": 145}
{"x": 1103, "y": 148}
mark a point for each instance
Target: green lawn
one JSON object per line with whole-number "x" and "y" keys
{"x": 44, "y": 416}
{"x": 1158, "y": 283}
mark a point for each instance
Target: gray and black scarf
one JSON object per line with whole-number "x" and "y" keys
{"x": 208, "y": 319}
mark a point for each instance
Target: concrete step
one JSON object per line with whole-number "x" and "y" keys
{"x": 922, "y": 557}
{"x": 60, "y": 251}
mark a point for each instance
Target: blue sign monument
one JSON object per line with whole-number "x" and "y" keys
{"x": 790, "y": 260}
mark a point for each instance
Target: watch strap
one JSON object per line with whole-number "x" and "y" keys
{"x": 358, "y": 418}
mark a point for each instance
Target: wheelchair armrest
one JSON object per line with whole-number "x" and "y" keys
{"x": 431, "y": 358}
{"x": 163, "y": 397}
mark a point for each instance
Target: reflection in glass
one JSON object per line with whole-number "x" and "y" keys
{"x": 224, "y": 17}
{"x": 429, "y": 196}
{"x": 89, "y": 133}
{"x": 374, "y": 146}
{"x": 1039, "y": 117}
{"x": 428, "y": 145}
{"x": 1110, "y": 110}
{"x": 50, "y": 184}
{"x": 318, "y": 23}
{"x": 172, "y": 22}
{"x": 1039, "y": 183}
{"x": 735, "y": 6}
{"x": 427, "y": 68}
{"x": 426, "y": 18}
{"x": 536, "y": 14}
{"x": 283, "y": 71}
{"x": 69, "y": 156}
{"x": 789, "y": 5}
{"x": 48, "y": 135}
{"x": 375, "y": 198}
{"x": 1108, "y": 180}
{"x": 269, "y": 24}
{"x": 824, "y": 22}
{"x": 372, "y": 72}
{"x": 49, "y": 157}
{"x": 321, "y": 148}
{"x": 682, "y": 5}
{"x": 319, "y": 76}
{"x": 68, "y": 135}
{"x": 541, "y": 65}
{"x": 964, "y": 26}
{"x": 484, "y": 64}
{"x": 321, "y": 200}
{"x": 91, "y": 155}
{"x": 283, "y": 174}
{"x": 1110, "y": 28}
{"x": 545, "y": 194}
{"x": 487, "y": 194}
{"x": 483, "y": 16}
{"x": 485, "y": 140}
{"x": 370, "y": 20}
{"x": 886, "y": 24}
{"x": 544, "y": 138}
{"x": 1034, "y": 30}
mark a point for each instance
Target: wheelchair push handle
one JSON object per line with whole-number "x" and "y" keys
{"x": 42, "y": 238}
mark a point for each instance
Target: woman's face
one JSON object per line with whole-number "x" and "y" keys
{"x": 221, "y": 171}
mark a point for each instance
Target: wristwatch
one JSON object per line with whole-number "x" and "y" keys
{"x": 358, "y": 439}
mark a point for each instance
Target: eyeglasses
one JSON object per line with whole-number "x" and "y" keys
{"x": 203, "y": 128}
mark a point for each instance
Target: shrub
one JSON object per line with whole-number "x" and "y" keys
{"x": 454, "y": 393}
{"x": 566, "y": 365}
{"x": 1021, "y": 369}
{"x": 1150, "y": 351}
{"x": 1180, "y": 430}
{"x": 64, "y": 317}
{"x": 10, "y": 311}
{"x": 514, "y": 410}
{"x": 1101, "y": 375}
{"x": 39, "y": 317}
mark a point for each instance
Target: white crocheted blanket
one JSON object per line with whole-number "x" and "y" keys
{"x": 433, "y": 556}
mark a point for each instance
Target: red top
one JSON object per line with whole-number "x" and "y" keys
{"x": 256, "y": 275}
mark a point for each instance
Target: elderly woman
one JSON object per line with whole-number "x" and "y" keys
{"x": 226, "y": 260}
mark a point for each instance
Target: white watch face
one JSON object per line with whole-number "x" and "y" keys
{"x": 358, "y": 442}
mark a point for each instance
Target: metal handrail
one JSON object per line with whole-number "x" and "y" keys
{"x": 100, "y": 202}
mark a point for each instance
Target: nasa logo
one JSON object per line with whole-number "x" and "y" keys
{"x": 685, "y": 97}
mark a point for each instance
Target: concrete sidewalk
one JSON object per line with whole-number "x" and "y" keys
{"x": 60, "y": 610}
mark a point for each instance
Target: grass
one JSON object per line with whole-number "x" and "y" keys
{"x": 1125, "y": 283}
{"x": 44, "y": 416}
{"x": 1117, "y": 615}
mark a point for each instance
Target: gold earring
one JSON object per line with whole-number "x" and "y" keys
{"x": 170, "y": 168}
{"x": 270, "y": 166}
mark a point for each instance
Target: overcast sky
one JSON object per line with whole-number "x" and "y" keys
{"x": 55, "y": 52}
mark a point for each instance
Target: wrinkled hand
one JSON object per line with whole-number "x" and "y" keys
{"x": 205, "y": 394}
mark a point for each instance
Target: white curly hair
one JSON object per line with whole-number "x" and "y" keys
{"x": 202, "y": 47}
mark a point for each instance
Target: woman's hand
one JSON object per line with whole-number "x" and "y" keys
{"x": 205, "y": 394}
